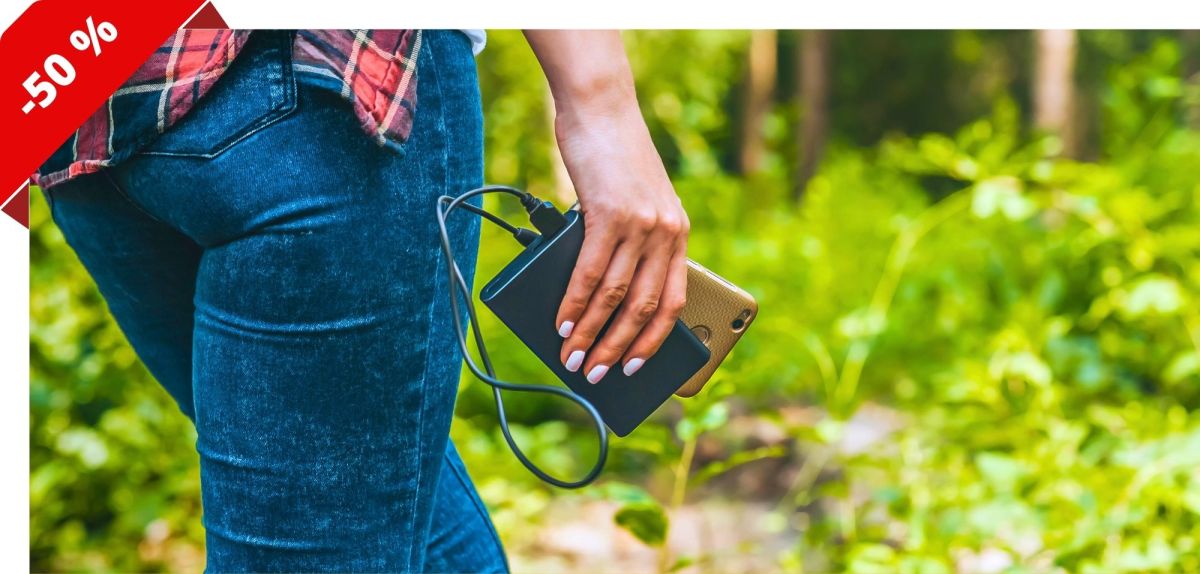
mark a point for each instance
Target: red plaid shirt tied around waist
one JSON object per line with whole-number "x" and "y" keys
{"x": 374, "y": 69}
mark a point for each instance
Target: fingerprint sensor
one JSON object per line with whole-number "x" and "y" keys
{"x": 701, "y": 332}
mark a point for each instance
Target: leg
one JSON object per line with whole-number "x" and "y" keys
{"x": 462, "y": 538}
{"x": 145, "y": 270}
{"x": 324, "y": 365}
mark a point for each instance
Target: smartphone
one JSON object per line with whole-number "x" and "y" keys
{"x": 717, "y": 313}
{"x": 525, "y": 296}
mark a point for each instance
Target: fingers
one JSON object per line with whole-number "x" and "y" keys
{"x": 610, "y": 293}
{"x": 670, "y": 305}
{"x": 641, "y": 304}
{"x": 590, "y": 268}
{"x": 645, "y": 286}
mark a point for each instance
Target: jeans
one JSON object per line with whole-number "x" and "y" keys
{"x": 280, "y": 275}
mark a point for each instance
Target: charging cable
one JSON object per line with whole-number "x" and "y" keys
{"x": 548, "y": 220}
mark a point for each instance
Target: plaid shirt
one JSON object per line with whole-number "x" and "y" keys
{"x": 373, "y": 69}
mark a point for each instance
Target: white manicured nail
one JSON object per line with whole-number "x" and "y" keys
{"x": 564, "y": 330}
{"x": 597, "y": 373}
{"x": 574, "y": 361}
{"x": 632, "y": 366}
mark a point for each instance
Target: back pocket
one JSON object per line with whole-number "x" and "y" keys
{"x": 256, "y": 91}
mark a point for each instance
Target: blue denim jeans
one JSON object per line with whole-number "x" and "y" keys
{"x": 280, "y": 275}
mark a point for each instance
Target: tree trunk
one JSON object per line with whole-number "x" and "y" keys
{"x": 1054, "y": 86}
{"x": 814, "y": 60}
{"x": 757, "y": 98}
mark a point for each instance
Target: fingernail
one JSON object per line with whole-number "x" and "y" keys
{"x": 574, "y": 360}
{"x": 564, "y": 330}
{"x": 632, "y": 366}
{"x": 597, "y": 373}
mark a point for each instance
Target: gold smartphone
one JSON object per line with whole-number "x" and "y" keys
{"x": 718, "y": 313}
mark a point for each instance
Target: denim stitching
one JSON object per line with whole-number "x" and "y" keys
{"x": 483, "y": 514}
{"x": 438, "y": 285}
{"x": 276, "y": 111}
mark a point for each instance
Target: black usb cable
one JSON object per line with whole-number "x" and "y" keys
{"x": 548, "y": 220}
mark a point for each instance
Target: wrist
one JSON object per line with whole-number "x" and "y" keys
{"x": 607, "y": 115}
{"x": 602, "y": 93}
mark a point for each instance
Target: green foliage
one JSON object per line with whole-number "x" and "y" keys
{"x": 1015, "y": 334}
{"x": 645, "y": 520}
{"x": 114, "y": 482}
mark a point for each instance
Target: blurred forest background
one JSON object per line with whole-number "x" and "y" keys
{"x": 977, "y": 255}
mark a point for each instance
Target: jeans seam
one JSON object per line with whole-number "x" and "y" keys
{"x": 478, "y": 504}
{"x": 412, "y": 548}
{"x": 412, "y": 521}
{"x": 442, "y": 283}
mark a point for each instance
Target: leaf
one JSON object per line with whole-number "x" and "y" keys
{"x": 923, "y": 565}
{"x": 84, "y": 443}
{"x": 1031, "y": 368}
{"x": 830, "y": 430}
{"x": 715, "y": 416}
{"x": 1001, "y": 195}
{"x": 686, "y": 429}
{"x": 1021, "y": 365}
{"x": 621, "y": 492}
{"x": 713, "y": 469}
{"x": 645, "y": 520}
{"x": 642, "y": 444}
{"x": 861, "y": 323}
{"x": 1153, "y": 294}
{"x": 1003, "y": 472}
{"x": 872, "y": 559}
{"x": 1191, "y": 497}
{"x": 681, "y": 563}
{"x": 1184, "y": 365}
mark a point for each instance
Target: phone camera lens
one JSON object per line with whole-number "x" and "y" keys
{"x": 740, "y": 321}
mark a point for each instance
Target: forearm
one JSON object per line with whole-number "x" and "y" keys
{"x": 632, "y": 267}
{"x": 587, "y": 69}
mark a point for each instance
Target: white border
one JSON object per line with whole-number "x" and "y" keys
{"x": 14, "y": 393}
{"x": 1015, "y": 14}
{"x": 774, "y": 14}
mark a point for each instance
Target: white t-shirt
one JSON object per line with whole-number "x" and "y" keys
{"x": 478, "y": 40}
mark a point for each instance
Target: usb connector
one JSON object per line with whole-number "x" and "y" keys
{"x": 543, "y": 215}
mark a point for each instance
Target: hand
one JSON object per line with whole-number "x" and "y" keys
{"x": 634, "y": 257}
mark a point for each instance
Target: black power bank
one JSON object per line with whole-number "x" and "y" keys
{"x": 526, "y": 294}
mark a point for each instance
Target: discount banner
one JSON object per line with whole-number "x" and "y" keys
{"x": 62, "y": 60}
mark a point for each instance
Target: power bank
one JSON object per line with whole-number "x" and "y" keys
{"x": 526, "y": 294}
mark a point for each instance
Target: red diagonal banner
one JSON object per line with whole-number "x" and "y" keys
{"x": 62, "y": 60}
